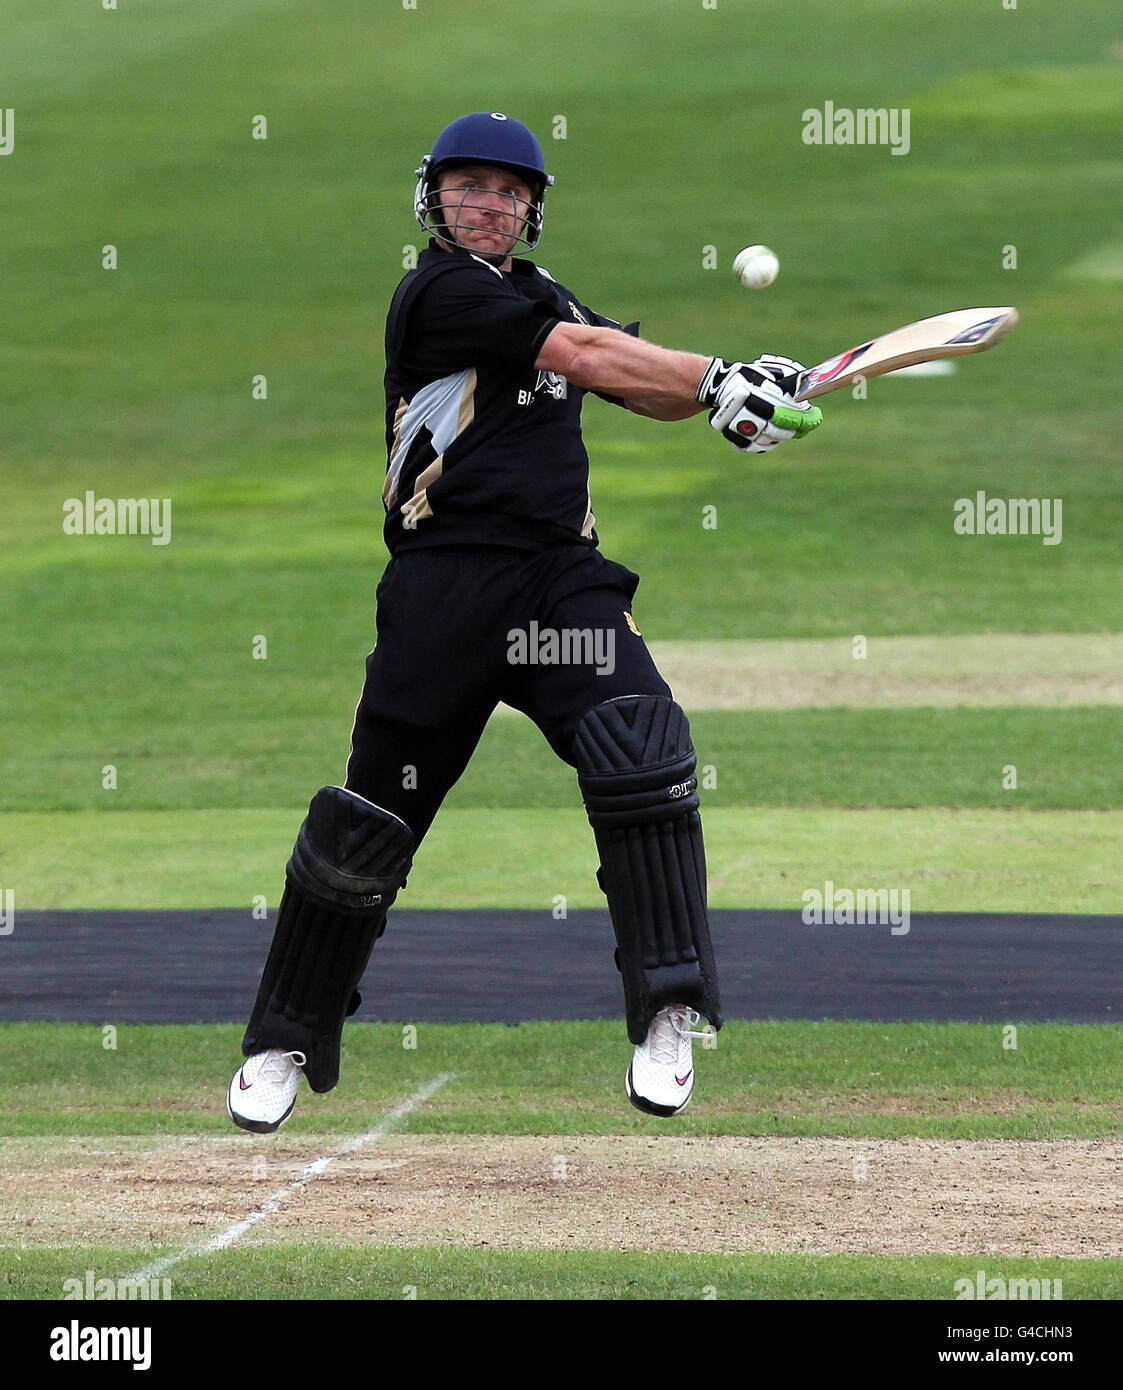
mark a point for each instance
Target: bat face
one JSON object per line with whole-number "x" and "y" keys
{"x": 945, "y": 335}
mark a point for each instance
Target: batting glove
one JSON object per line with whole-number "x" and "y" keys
{"x": 750, "y": 408}
{"x": 782, "y": 370}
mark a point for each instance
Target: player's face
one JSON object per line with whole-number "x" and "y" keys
{"x": 485, "y": 208}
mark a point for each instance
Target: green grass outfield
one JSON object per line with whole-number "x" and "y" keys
{"x": 950, "y": 860}
{"x": 845, "y": 758}
{"x": 310, "y": 1272}
{"x": 848, "y": 1080}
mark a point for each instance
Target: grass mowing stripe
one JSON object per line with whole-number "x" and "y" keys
{"x": 846, "y": 757}
{"x": 312, "y": 1272}
{"x": 794, "y": 1078}
{"x": 312, "y": 1170}
{"x": 970, "y": 860}
{"x": 276, "y": 754}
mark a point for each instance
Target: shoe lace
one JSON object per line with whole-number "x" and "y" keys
{"x": 684, "y": 1022}
{"x": 274, "y": 1068}
{"x": 668, "y": 1027}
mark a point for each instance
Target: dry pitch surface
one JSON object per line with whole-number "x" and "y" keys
{"x": 720, "y": 1195}
{"x": 974, "y": 671}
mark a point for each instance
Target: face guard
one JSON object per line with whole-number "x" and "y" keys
{"x": 496, "y": 141}
{"x": 462, "y": 215}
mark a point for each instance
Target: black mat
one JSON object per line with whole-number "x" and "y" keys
{"x": 512, "y": 966}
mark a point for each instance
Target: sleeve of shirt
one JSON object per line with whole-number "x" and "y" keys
{"x": 470, "y": 317}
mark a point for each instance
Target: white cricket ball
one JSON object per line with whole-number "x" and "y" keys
{"x": 756, "y": 267}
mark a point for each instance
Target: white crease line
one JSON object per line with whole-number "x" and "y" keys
{"x": 271, "y": 1204}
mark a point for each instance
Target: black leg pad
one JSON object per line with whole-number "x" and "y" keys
{"x": 349, "y": 861}
{"x": 636, "y": 767}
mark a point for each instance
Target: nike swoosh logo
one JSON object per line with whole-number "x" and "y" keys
{"x": 242, "y": 1082}
{"x": 682, "y": 1080}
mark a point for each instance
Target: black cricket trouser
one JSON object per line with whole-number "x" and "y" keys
{"x": 448, "y": 619}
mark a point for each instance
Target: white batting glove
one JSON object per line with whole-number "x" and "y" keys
{"x": 750, "y": 409}
{"x": 782, "y": 370}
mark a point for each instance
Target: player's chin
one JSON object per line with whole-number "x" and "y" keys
{"x": 489, "y": 243}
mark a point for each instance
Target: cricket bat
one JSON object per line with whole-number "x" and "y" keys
{"x": 944, "y": 335}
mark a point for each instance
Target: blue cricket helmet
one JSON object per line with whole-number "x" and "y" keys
{"x": 483, "y": 137}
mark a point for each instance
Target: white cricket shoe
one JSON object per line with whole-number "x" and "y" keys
{"x": 661, "y": 1076}
{"x": 263, "y": 1092}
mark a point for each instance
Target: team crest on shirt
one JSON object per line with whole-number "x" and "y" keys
{"x": 553, "y": 384}
{"x": 549, "y": 382}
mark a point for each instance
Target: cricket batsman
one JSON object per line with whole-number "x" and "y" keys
{"x": 490, "y": 529}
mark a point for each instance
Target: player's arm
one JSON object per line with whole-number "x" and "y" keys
{"x": 746, "y": 401}
{"x": 664, "y": 408}
{"x": 655, "y": 381}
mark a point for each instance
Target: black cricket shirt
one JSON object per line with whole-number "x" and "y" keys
{"x": 482, "y": 447}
